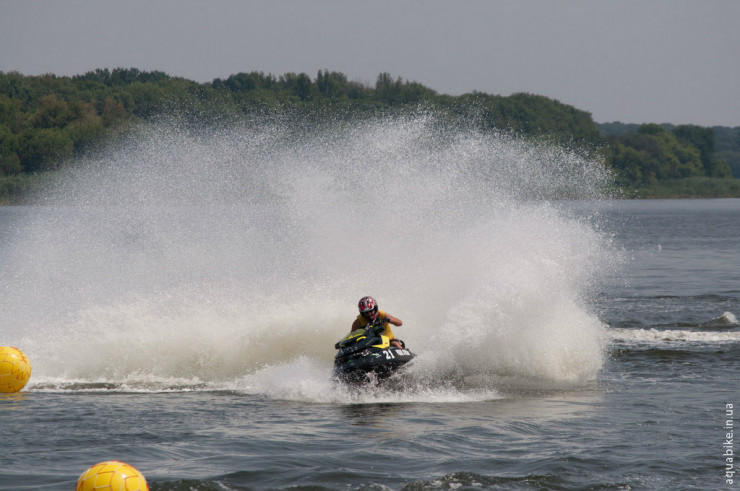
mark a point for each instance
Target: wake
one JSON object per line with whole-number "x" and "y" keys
{"x": 233, "y": 258}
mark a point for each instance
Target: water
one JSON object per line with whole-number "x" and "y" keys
{"x": 179, "y": 296}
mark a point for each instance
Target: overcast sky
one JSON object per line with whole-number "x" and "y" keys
{"x": 634, "y": 61}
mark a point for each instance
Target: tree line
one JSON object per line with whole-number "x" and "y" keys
{"x": 47, "y": 120}
{"x": 648, "y": 153}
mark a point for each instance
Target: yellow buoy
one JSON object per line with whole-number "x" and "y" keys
{"x": 111, "y": 475}
{"x": 15, "y": 369}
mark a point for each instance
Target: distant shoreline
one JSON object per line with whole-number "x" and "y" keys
{"x": 687, "y": 188}
{"x": 13, "y": 188}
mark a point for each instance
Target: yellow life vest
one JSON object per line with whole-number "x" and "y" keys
{"x": 388, "y": 331}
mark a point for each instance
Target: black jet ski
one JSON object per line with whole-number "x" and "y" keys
{"x": 366, "y": 356}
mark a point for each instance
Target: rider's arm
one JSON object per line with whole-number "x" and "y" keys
{"x": 356, "y": 325}
{"x": 393, "y": 320}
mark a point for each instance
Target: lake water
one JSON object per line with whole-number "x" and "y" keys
{"x": 180, "y": 294}
{"x": 653, "y": 417}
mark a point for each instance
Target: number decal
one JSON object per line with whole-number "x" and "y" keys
{"x": 388, "y": 354}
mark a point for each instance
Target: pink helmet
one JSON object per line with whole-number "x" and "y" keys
{"x": 367, "y": 305}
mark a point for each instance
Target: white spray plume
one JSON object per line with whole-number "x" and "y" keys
{"x": 214, "y": 255}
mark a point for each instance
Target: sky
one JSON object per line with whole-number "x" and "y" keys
{"x": 634, "y": 61}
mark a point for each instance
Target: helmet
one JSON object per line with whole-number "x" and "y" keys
{"x": 367, "y": 305}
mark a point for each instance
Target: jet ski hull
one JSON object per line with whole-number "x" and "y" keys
{"x": 366, "y": 355}
{"x": 374, "y": 364}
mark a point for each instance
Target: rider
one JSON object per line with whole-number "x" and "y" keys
{"x": 369, "y": 313}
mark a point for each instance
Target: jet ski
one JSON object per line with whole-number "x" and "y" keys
{"x": 366, "y": 356}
